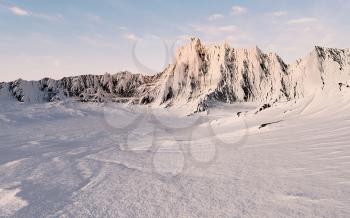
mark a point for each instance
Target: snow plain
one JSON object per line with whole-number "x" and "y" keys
{"x": 92, "y": 160}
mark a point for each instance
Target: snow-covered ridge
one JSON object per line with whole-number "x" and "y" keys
{"x": 200, "y": 75}
{"x": 123, "y": 86}
{"x": 323, "y": 68}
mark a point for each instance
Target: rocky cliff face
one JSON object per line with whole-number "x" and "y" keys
{"x": 220, "y": 73}
{"x": 201, "y": 75}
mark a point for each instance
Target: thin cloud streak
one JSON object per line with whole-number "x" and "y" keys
{"x": 215, "y": 17}
{"x": 23, "y": 12}
{"x": 19, "y": 11}
{"x": 302, "y": 20}
{"x": 278, "y": 13}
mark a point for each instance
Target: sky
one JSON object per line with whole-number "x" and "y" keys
{"x": 50, "y": 38}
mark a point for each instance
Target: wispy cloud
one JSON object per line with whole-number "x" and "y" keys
{"x": 205, "y": 29}
{"x": 131, "y": 37}
{"x": 278, "y": 13}
{"x": 51, "y": 18}
{"x": 216, "y": 33}
{"x": 229, "y": 28}
{"x": 239, "y": 10}
{"x": 302, "y": 20}
{"x": 19, "y": 11}
{"x": 211, "y": 30}
{"x": 215, "y": 17}
{"x": 122, "y": 28}
{"x": 23, "y": 12}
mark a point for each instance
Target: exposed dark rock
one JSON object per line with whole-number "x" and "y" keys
{"x": 264, "y": 107}
{"x": 266, "y": 124}
{"x": 341, "y": 85}
{"x": 240, "y": 113}
{"x": 147, "y": 99}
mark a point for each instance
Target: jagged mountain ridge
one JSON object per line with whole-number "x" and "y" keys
{"x": 203, "y": 74}
{"x": 123, "y": 86}
{"x": 199, "y": 76}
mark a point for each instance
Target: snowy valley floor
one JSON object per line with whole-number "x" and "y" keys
{"x": 85, "y": 160}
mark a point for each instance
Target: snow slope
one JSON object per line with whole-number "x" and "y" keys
{"x": 88, "y": 160}
{"x": 279, "y": 149}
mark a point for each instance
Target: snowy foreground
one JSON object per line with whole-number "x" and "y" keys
{"x": 89, "y": 160}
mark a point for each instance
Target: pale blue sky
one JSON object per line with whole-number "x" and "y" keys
{"x": 50, "y": 38}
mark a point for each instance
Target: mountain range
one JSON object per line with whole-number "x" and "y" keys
{"x": 199, "y": 76}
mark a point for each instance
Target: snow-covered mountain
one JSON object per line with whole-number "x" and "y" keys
{"x": 203, "y": 74}
{"x": 322, "y": 69}
{"x": 123, "y": 86}
{"x": 219, "y": 73}
{"x": 199, "y": 76}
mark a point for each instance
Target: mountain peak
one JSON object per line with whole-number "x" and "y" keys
{"x": 195, "y": 40}
{"x": 196, "y": 43}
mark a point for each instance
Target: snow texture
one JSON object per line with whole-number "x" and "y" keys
{"x": 71, "y": 160}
